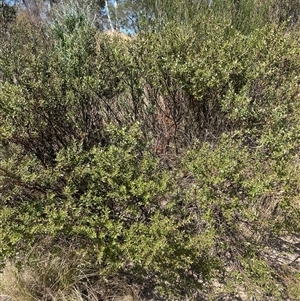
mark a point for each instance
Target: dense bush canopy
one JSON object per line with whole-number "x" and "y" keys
{"x": 168, "y": 159}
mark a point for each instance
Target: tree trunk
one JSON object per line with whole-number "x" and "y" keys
{"x": 32, "y": 7}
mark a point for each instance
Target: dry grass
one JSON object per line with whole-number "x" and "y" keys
{"x": 43, "y": 276}
{"x": 27, "y": 285}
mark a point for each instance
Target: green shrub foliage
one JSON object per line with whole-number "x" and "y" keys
{"x": 169, "y": 158}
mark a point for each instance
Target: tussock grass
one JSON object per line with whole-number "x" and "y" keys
{"x": 44, "y": 276}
